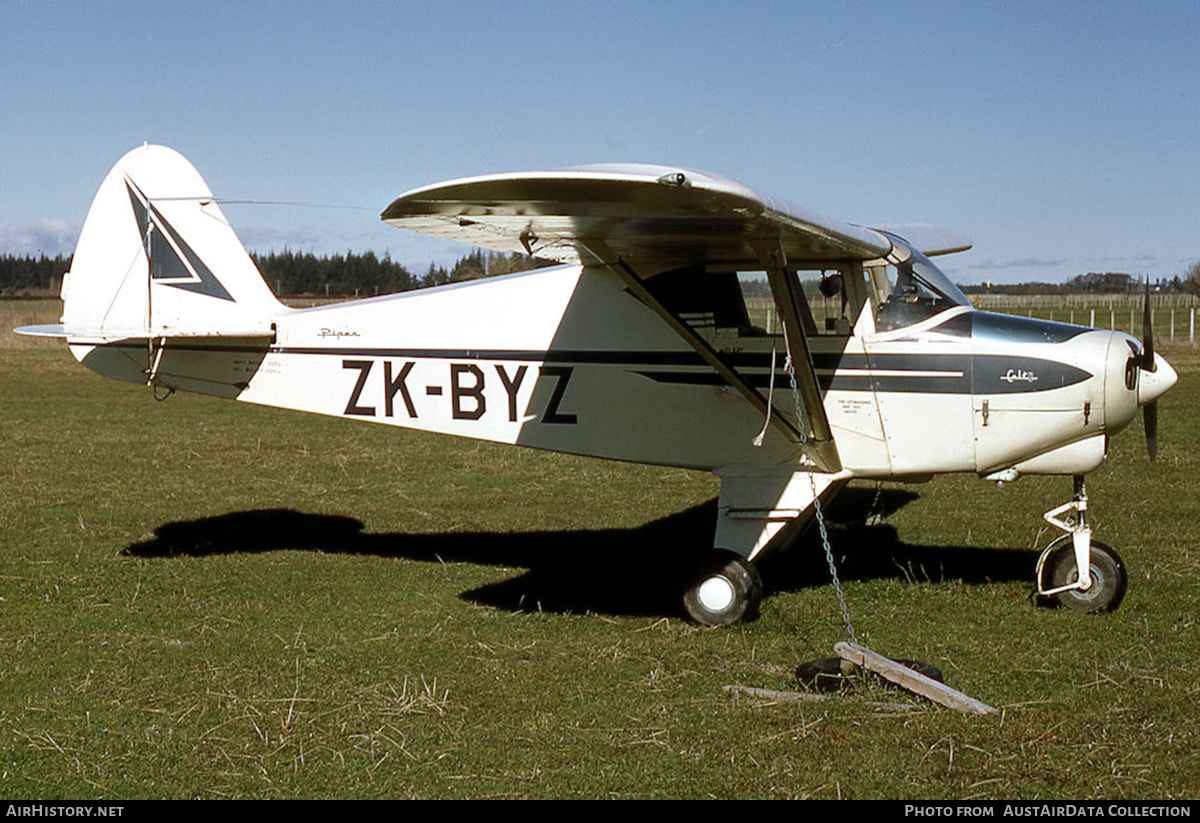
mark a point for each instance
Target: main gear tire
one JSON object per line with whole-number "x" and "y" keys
{"x": 725, "y": 590}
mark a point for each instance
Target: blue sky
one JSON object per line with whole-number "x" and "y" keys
{"x": 1062, "y": 137}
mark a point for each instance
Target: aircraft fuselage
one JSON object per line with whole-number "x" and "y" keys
{"x": 566, "y": 359}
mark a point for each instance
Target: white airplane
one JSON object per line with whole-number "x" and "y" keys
{"x": 696, "y": 323}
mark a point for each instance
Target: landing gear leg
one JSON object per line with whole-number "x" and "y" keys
{"x": 1075, "y": 570}
{"x": 757, "y": 507}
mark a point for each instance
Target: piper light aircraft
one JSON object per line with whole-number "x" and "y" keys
{"x": 694, "y": 323}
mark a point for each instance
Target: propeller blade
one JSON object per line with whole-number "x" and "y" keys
{"x": 1147, "y": 332}
{"x": 1150, "y": 421}
{"x": 1150, "y": 410}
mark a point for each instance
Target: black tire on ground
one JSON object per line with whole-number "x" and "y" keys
{"x": 725, "y": 590}
{"x": 1109, "y": 578}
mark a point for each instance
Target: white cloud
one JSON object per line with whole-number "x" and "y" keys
{"x": 1026, "y": 263}
{"x": 264, "y": 239}
{"x": 48, "y": 237}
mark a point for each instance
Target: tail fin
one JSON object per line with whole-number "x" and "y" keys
{"x": 160, "y": 290}
{"x": 157, "y": 259}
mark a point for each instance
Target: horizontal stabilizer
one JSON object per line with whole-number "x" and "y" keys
{"x": 57, "y": 331}
{"x": 62, "y": 332}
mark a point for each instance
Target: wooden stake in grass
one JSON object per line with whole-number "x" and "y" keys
{"x": 908, "y": 679}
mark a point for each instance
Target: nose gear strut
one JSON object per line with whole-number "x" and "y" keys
{"x": 1075, "y": 570}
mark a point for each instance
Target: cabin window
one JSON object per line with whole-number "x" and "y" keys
{"x": 911, "y": 291}
{"x": 710, "y": 302}
{"x": 828, "y": 300}
{"x": 722, "y": 304}
{"x": 760, "y": 305}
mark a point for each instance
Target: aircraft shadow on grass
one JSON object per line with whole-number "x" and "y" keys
{"x": 633, "y": 572}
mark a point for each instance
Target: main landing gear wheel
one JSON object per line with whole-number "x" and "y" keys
{"x": 726, "y": 588}
{"x": 1109, "y": 577}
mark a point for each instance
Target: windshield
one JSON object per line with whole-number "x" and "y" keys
{"x": 912, "y": 291}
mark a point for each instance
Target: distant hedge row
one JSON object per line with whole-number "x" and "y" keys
{"x": 294, "y": 274}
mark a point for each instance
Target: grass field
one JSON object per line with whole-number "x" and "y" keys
{"x": 200, "y": 599}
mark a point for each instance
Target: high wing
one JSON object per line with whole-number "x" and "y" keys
{"x": 645, "y": 214}
{"x": 929, "y": 240}
{"x": 633, "y": 219}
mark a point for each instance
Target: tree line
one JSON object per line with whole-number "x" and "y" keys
{"x": 294, "y": 274}
{"x": 34, "y": 276}
{"x": 297, "y": 274}
{"x": 1096, "y": 283}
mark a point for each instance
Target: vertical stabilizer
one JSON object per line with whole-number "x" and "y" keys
{"x": 157, "y": 259}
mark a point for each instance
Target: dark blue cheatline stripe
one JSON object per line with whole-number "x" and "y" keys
{"x": 949, "y": 383}
{"x": 986, "y": 374}
{"x": 759, "y": 381}
{"x": 608, "y": 358}
{"x": 999, "y": 374}
{"x": 914, "y": 372}
{"x": 174, "y": 345}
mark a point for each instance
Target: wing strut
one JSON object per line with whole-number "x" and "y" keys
{"x": 821, "y": 447}
{"x": 606, "y": 257}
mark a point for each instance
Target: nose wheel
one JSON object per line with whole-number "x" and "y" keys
{"x": 1076, "y": 571}
{"x": 1106, "y": 571}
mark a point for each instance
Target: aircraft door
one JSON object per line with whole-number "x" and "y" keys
{"x": 920, "y": 380}
{"x": 837, "y": 303}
